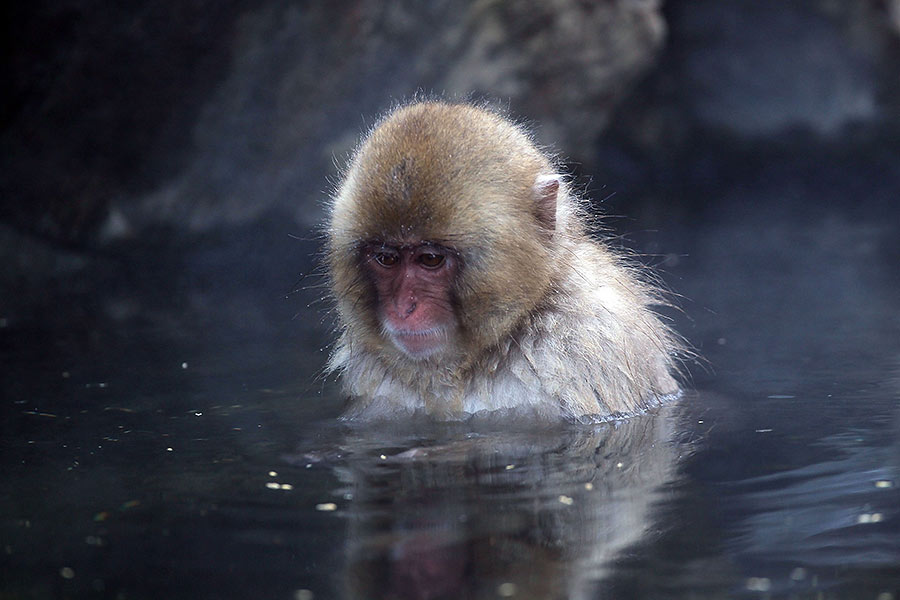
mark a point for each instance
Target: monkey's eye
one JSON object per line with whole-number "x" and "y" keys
{"x": 431, "y": 261}
{"x": 386, "y": 260}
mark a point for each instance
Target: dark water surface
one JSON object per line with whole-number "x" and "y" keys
{"x": 180, "y": 446}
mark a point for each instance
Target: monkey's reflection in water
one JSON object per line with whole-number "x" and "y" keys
{"x": 526, "y": 514}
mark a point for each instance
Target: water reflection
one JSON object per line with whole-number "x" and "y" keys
{"x": 530, "y": 513}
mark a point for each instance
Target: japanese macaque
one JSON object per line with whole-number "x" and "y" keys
{"x": 466, "y": 281}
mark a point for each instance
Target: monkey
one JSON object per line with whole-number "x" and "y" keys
{"x": 466, "y": 281}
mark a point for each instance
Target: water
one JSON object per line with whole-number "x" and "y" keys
{"x": 174, "y": 441}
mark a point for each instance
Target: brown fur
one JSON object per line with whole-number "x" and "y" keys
{"x": 550, "y": 321}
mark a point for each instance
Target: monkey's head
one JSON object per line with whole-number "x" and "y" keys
{"x": 442, "y": 234}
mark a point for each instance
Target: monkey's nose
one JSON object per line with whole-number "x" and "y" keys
{"x": 404, "y": 307}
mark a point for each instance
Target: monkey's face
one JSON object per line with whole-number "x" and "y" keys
{"x": 413, "y": 288}
{"x": 439, "y": 238}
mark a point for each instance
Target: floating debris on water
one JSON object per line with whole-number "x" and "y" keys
{"x": 870, "y": 518}
{"x": 39, "y": 414}
{"x": 506, "y": 590}
{"x": 274, "y": 485}
{"x": 759, "y": 584}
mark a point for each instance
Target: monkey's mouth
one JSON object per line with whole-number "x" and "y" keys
{"x": 419, "y": 344}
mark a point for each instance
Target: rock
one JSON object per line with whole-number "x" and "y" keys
{"x": 217, "y": 116}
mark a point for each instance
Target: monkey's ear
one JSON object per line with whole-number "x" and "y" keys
{"x": 545, "y": 189}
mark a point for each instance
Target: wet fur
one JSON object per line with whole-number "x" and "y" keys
{"x": 551, "y": 322}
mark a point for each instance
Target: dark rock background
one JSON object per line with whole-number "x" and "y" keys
{"x": 157, "y": 155}
{"x": 219, "y": 115}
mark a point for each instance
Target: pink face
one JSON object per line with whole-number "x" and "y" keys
{"x": 413, "y": 284}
